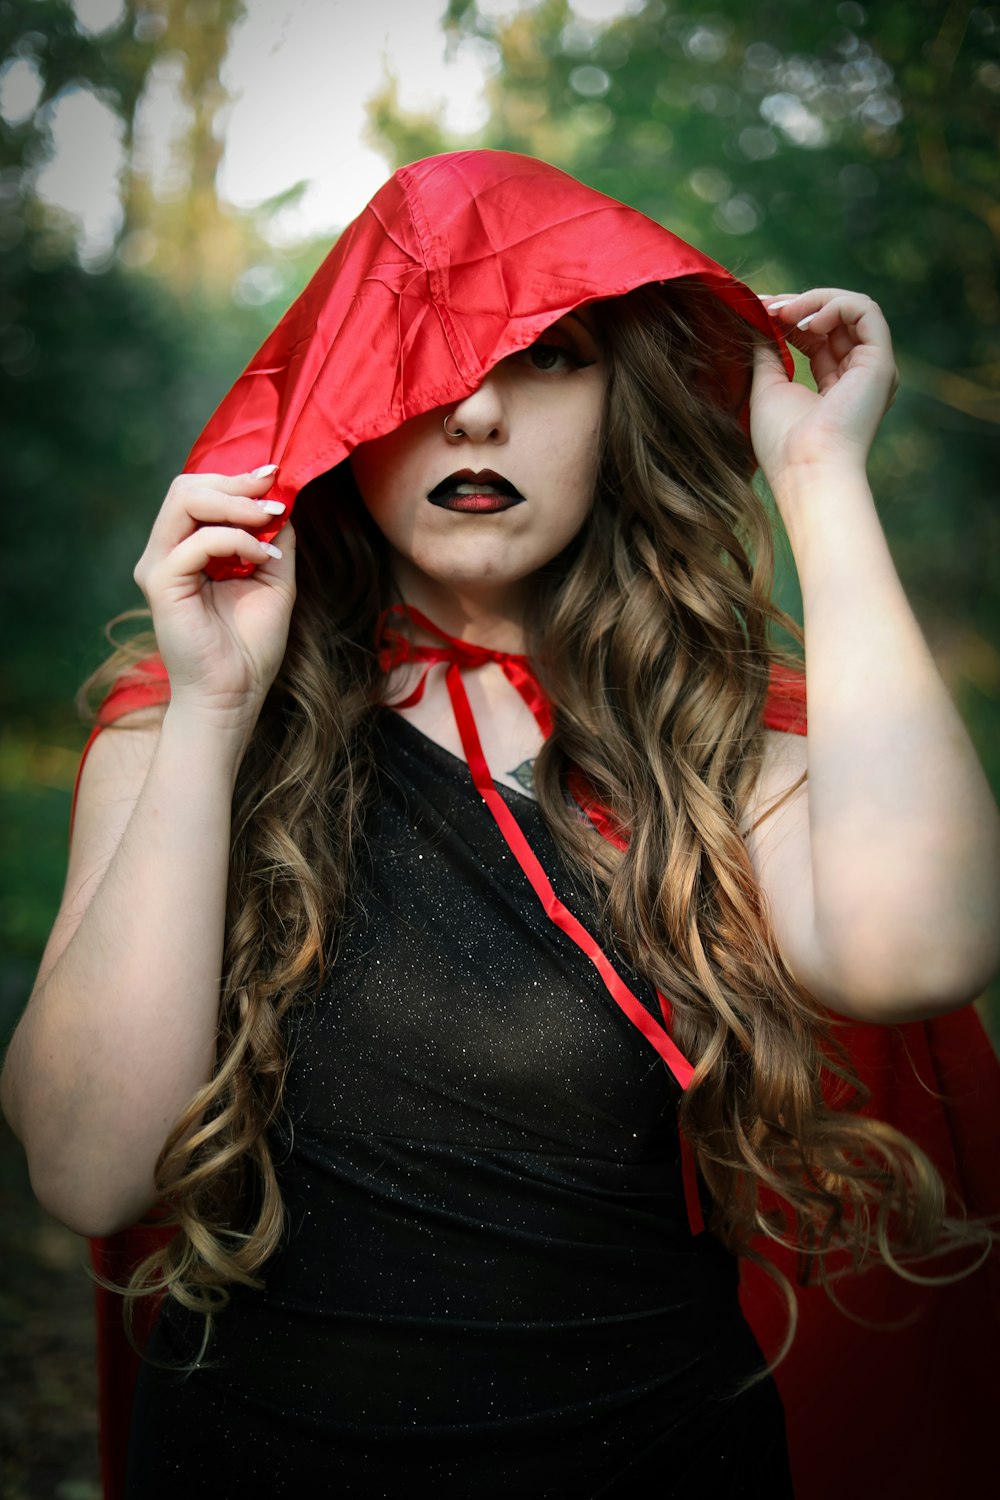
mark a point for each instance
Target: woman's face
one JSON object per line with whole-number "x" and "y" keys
{"x": 475, "y": 516}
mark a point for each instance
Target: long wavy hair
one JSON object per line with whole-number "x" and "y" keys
{"x": 653, "y": 636}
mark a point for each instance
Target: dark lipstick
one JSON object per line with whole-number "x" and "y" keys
{"x": 481, "y": 492}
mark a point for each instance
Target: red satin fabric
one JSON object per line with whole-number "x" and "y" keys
{"x": 457, "y": 262}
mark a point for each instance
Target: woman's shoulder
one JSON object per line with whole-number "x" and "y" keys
{"x": 116, "y": 764}
{"x": 780, "y": 785}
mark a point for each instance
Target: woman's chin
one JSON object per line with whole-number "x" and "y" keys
{"x": 488, "y": 573}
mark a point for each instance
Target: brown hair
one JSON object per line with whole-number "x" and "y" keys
{"x": 653, "y": 638}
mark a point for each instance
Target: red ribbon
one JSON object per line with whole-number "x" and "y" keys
{"x": 396, "y": 649}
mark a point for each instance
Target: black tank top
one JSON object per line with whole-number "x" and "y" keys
{"x": 489, "y": 1282}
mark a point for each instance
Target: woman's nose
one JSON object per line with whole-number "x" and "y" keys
{"x": 482, "y": 416}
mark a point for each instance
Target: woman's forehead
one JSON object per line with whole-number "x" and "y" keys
{"x": 587, "y": 315}
{"x": 583, "y": 319}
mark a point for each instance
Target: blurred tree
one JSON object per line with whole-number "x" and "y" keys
{"x": 186, "y": 235}
{"x": 183, "y": 233}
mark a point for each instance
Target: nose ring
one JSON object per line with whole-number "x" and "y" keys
{"x": 458, "y": 433}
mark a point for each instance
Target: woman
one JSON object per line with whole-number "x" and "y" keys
{"x": 482, "y": 816}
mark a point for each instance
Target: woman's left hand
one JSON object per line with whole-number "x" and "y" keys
{"x": 849, "y": 347}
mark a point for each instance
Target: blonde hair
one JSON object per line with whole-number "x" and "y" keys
{"x": 653, "y": 638}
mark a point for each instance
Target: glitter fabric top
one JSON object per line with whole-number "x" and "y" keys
{"x": 489, "y": 1279}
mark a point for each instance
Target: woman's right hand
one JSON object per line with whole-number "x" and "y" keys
{"x": 222, "y": 643}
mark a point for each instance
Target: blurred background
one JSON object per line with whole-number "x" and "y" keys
{"x": 171, "y": 173}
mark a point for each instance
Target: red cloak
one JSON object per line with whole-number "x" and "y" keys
{"x": 457, "y": 262}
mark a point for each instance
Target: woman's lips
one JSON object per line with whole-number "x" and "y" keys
{"x": 483, "y": 502}
{"x": 482, "y": 493}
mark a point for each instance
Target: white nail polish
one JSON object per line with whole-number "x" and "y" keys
{"x": 774, "y": 306}
{"x": 263, "y": 471}
{"x": 271, "y": 549}
{"x": 806, "y": 321}
{"x": 272, "y": 507}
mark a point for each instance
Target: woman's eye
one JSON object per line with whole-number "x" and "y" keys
{"x": 547, "y": 357}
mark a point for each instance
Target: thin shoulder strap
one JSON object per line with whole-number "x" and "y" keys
{"x": 145, "y": 686}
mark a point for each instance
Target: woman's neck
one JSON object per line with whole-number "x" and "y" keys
{"x": 489, "y": 617}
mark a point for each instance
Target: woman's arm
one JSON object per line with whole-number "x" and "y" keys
{"x": 119, "y": 1032}
{"x": 882, "y": 874}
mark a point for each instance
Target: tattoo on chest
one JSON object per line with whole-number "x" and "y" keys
{"x": 524, "y": 774}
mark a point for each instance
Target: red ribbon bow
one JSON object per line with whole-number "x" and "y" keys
{"x": 395, "y": 649}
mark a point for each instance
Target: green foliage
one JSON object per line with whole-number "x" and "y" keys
{"x": 34, "y": 813}
{"x": 114, "y": 64}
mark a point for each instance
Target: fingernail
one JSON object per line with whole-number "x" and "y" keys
{"x": 273, "y": 507}
{"x": 271, "y": 549}
{"x": 263, "y": 471}
{"x": 775, "y": 306}
{"x": 806, "y": 321}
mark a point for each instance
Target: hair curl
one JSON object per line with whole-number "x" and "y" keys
{"x": 653, "y": 636}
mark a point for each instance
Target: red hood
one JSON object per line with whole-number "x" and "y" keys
{"x": 456, "y": 262}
